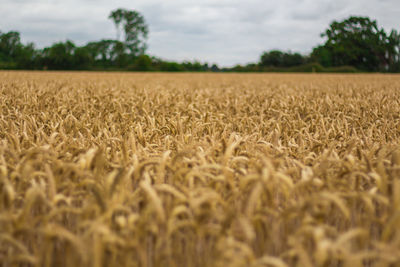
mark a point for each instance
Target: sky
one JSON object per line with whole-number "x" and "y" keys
{"x": 225, "y": 32}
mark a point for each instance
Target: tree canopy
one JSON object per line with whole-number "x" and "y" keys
{"x": 134, "y": 27}
{"x": 359, "y": 42}
{"x": 276, "y": 58}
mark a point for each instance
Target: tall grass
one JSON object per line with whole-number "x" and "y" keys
{"x": 199, "y": 170}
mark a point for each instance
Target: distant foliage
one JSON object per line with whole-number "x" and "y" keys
{"x": 134, "y": 27}
{"x": 359, "y": 42}
{"x": 276, "y": 58}
{"x": 355, "y": 44}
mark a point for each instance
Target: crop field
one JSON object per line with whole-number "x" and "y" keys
{"x": 134, "y": 169}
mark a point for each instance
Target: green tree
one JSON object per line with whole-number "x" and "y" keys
{"x": 9, "y": 44}
{"x": 10, "y": 48}
{"x": 276, "y": 58}
{"x": 322, "y": 55}
{"x": 393, "y": 51}
{"x": 27, "y": 56}
{"x": 291, "y": 60}
{"x": 60, "y": 56}
{"x": 272, "y": 58}
{"x": 13, "y": 54}
{"x": 358, "y": 42}
{"x": 82, "y": 59}
{"x": 117, "y": 16}
{"x": 142, "y": 63}
{"x": 134, "y": 27}
{"x": 108, "y": 53}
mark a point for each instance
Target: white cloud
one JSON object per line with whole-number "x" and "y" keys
{"x": 226, "y": 32}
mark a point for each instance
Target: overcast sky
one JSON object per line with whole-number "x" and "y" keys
{"x": 226, "y": 32}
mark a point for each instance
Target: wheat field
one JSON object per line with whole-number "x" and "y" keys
{"x": 122, "y": 169}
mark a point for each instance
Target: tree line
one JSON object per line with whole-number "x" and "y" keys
{"x": 354, "y": 44}
{"x": 126, "y": 52}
